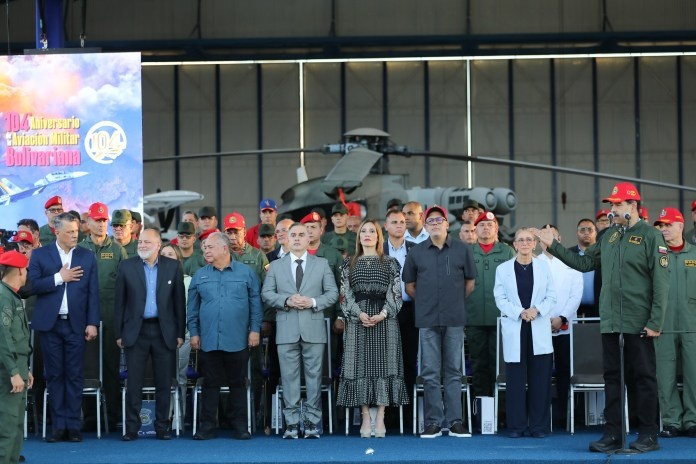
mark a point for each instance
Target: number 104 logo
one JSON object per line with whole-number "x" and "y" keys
{"x": 105, "y": 142}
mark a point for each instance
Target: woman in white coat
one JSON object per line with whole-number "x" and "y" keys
{"x": 524, "y": 293}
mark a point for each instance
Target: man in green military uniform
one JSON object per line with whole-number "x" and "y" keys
{"x": 339, "y": 218}
{"x": 678, "y": 413}
{"x": 634, "y": 260}
{"x": 15, "y": 377}
{"x": 52, "y": 208}
{"x": 109, "y": 255}
{"x": 481, "y": 311}
{"x": 121, "y": 220}
{"x": 190, "y": 248}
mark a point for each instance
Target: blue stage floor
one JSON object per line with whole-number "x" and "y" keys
{"x": 558, "y": 448}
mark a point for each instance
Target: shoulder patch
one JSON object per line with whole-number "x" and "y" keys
{"x": 662, "y": 249}
{"x": 6, "y": 321}
{"x": 664, "y": 261}
{"x": 635, "y": 239}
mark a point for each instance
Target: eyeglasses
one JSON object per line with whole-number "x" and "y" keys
{"x": 185, "y": 235}
{"x": 435, "y": 220}
{"x": 604, "y": 219}
{"x": 525, "y": 240}
{"x": 118, "y": 226}
{"x": 585, "y": 230}
{"x": 55, "y": 210}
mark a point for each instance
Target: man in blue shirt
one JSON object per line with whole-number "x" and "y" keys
{"x": 224, "y": 320}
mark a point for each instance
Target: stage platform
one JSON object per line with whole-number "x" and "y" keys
{"x": 561, "y": 448}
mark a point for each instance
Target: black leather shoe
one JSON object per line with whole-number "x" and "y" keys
{"x": 74, "y": 436}
{"x": 163, "y": 435}
{"x": 515, "y": 435}
{"x": 22, "y": 458}
{"x": 669, "y": 431}
{"x": 538, "y": 435}
{"x": 130, "y": 436}
{"x": 606, "y": 444}
{"x": 58, "y": 435}
{"x": 645, "y": 443}
{"x": 242, "y": 434}
{"x": 691, "y": 432}
{"x": 204, "y": 435}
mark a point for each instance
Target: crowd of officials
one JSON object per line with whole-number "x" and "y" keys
{"x": 400, "y": 294}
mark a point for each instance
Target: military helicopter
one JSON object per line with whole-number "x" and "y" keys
{"x": 362, "y": 175}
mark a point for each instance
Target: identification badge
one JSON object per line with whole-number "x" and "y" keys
{"x": 105, "y": 255}
{"x": 690, "y": 263}
{"x": 635, "y": 239}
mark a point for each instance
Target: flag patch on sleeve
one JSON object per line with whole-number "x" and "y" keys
{"x": 662, "y": 249}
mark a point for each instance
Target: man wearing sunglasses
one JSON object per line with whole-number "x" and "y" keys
{"x": 442, "y": 271}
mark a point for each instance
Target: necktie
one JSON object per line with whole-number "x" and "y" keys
{"x": 299, "y": 273}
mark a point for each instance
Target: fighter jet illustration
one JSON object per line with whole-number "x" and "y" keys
{"x": 10, "y": 192}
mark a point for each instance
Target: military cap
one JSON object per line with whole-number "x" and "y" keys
{"x": 98, "y": 211}
{"x": 121, "y": 216}
{"x": 186, "y": 228}
{"x": 266, "y": 229}
{"x": 53, "y": 201}
{"x": 207, "y": 211}
{"x": 14, "y": 259}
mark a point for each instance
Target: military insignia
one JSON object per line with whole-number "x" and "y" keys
{"x": 105, "y": 255}
{"x": 616, "y": 190}
{"x": 266, "y": 267}
{"x": 6, "y": 321}
{"x": 662, "y": 249}
{"x": 101, "y": 209}
{"x": 635, "y": 239}
{"x": 664, "y": 261}
{"x": 233, "y": 220}
{"x": 690, "y": 263}
{"x": 315, "y": 216}
{"x": 614, "y": 237}
{"x": 490, "y": 216}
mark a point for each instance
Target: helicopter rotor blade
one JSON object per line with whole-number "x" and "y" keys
{"x": 222, "y": 154}
{"x": 548, "y": 167}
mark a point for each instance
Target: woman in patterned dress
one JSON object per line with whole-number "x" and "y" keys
{"x": 373, "y": 372}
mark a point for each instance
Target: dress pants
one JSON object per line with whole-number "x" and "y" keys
{"x": 561, "y": 362}
{"x": 224, "y": 368}
{"x": 149, "y": 344}
{"x": 441, "y": 366}
{"x": 639, "y": 355}
{"x": 293, "y": 358}
{"x": 409, "y": 349}
{"x": 12, "y": 413}
{"x": 482, "y": 351}
{"x": 528, "y": 388}
{"x": 64, "y": 354}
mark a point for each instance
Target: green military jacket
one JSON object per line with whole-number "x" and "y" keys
{"x": 194, "y": 263}
{"x": 131, "y": 248}
{"x": 46, "y": 235}
{"x": 14, "y": 333}
{"x": 681, "y": 314}
{"x": 335, "y": 260}
{"x": 350, "y": 237}
{"x": 481, "y": 309}
{"x": 644, "y": 276}
{"x": 257, "y": 261}
{"x": 109, "y": 256}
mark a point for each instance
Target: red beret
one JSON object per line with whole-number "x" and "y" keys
{"x": 23, "y": 236}
{"x": 234, "y": 221}
{"x": 98, "y": 211}
{"x": 14, "y": 259}
{"x": 311, "y": 217}
{"x": 693, "y": 205}
{"x": 53, "y": 201}
{"x": 205, "y": 234}
{"x": 487, "y": 216}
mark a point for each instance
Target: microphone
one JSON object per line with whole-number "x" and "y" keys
{"x": 611, "y": 216}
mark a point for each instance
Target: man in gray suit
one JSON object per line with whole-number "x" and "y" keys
{"x": 300, "y": 286}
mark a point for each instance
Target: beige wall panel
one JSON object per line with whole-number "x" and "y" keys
{"x": 280, "y": 128}
{"x": 513, "y": 16}
{"x": 400, "y": 17}
{"x": 158, "y": 127}
{"x": 406, "y": 116}
{"x": 239, "y": 131}
{"x": 447, "y": 95}
{"x": 363, "y": 95}
{"x": 650, "y": 15}
{"x": 615, "y": 102}
{"x": 322, "y": 106}
{"x": 689, "y": 136}
{"x": 532, "y": 140}
{"x": 489, "y": 121}
{"x": 197, "y": 128}
{"x": 658, "y": 128}
{"x": 574, "y": 141}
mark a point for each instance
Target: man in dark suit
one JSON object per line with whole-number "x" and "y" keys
{"x": 149, "y": 320}
{"x": 592, "y": 280}
{"x": 299, "y": 287}
{"x": 64, "y": 278}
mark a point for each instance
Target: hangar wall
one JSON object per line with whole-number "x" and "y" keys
{"x": 627, "y": 116}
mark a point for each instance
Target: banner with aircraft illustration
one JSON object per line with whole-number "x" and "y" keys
{"x": 71, "y": 125}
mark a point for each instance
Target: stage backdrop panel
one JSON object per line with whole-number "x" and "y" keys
{"x": 72, "y": 126}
